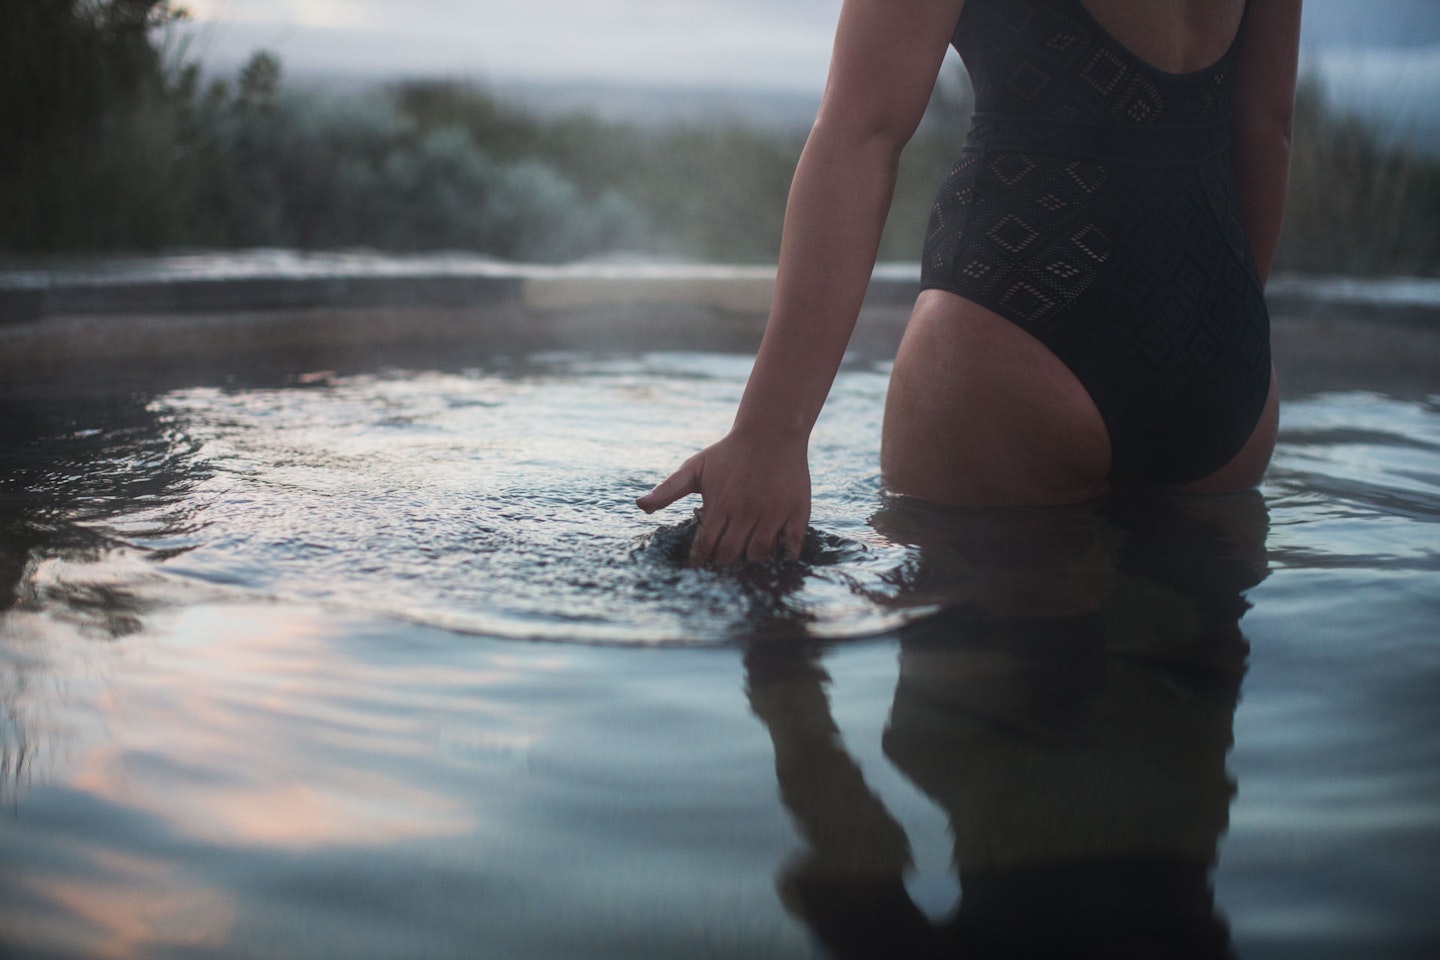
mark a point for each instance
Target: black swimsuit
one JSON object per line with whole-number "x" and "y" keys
{"x": 1094, "y": 206}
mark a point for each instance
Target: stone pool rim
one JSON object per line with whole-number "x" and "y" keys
{"x": 123, "y": 318}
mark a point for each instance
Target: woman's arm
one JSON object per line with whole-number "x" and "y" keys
{"x": 1264, "y": 110}
{"x": 755, "y": 482}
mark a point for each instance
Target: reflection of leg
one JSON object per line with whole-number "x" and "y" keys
{"x": 1152, "y": 907}
{"x": 1004, "y": 562}
{"x": 851, "y": 834}
{"x": 1182, "y": 573}
{"x": 848, "y": 885}
{"x": 1082, "y": 768}
{"x": 1036, "y": 677}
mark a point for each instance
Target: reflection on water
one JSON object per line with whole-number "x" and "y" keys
{"x": 261, "y": 695}
{"x": 489, "y": 502}
{"x": 1071, "y": 716}
{"x": 66, "y": 469}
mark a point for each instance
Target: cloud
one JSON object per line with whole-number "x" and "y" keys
{"x": 747, "y": 44}
{"x": 325, "y": 14}
{"x": 743, "y": 43}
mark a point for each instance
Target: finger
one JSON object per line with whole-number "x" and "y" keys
{"x": 682, "y": 482}
{"x": 761, "y": 545}
{"x": 707, "y": 532}
{"x": 730, "y": 545}
{"x": 792, "y": 540}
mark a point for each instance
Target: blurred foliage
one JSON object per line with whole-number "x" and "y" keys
{"x": 112, "y": 141}
{"x": 285, "y": 168}
{"x": 1356, "y": 205}
{"x": 711, "y": 192}
{"x": 81, "y": 113}
{"x": 926, "y": 160}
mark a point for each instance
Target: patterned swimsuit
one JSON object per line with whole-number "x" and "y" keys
{"x": 1094, "y": 206}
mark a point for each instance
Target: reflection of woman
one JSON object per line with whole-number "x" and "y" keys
{"x": 1079, "y": 752}
{"x": 1092, "y": 314}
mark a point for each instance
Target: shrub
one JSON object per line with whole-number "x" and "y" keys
{"x": 1355, "y": 205}
{"x": 86, "y": 154}
{"x": 111, "y": 144}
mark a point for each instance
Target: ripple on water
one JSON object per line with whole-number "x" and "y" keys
{"x": 1355, "y": 483}
{"x": 489, "y": 501}
{"x": 202, "y": 672}
{"x": 499, "y": 501}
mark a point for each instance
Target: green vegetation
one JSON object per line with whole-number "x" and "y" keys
{"x": 111, "y": 145}
{"x": 88, "y": 144}
{"x": 1357, "y": 206}
{"x": 114, "y": 143}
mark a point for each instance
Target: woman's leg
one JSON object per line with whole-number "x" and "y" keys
{"x": 980, "y": 413}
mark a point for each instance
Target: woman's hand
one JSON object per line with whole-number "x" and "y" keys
{"x": 756, "y": 499}
{"x": 756, "y": 481}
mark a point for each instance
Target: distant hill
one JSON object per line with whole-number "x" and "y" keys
{"x": 652, "y": 106}
{"x": 1396, "y": 91}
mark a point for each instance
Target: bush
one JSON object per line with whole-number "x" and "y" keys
{"x": 309, "y": 171}
{"x": 88, "y": 150}
{"x": 110, "y": 145}
{"x": 1355, "y": 205}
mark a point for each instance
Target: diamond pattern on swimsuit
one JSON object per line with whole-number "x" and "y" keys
{"x": 1094, "y": 206}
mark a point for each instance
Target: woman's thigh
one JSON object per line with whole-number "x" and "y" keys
{"x": 980, "y": 412}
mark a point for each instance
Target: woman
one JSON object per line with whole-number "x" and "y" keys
{"x": 1091, "y": 313}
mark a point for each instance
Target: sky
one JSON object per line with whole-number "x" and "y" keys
{"x": 1376, "y": 54}
{"x": 771, "y": 44}
{"x": 765, "y": 44}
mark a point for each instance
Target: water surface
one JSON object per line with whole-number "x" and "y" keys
{"x": 386, "y": 664}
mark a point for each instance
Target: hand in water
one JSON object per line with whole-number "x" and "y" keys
{"x": 756, "y": 500}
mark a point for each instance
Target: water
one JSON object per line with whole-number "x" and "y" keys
{"x": 386, "y": 664}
